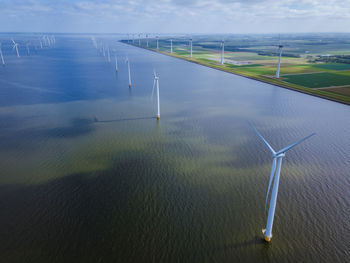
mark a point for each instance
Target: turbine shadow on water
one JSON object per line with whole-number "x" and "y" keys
{"x": 124, "y": 119}
{"x": 252, "y": 242}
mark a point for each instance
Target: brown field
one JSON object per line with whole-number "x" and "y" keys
{"x": 344, "y": 90}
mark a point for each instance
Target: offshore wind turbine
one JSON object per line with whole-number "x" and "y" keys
{"x": 15, "y": 46}
{"x": 274, "y": 178}
{"x": 147, "y": 40}
{"x": 2, "y": 57}
{"x": 171, "y": 46}
{"x": 156, "y": 85}
{"x": 116, "y": 63}
{"x": 108, "y": 55}
{"x": 191, "y": 47}
{"x": 222, "y": 51}
{"x": 127, "y": 61}
{"x": 139, "y": 39}
{"x": 28, "y": 51}
{"x": 157, "y": 42}
{"x": 280, "y": 47}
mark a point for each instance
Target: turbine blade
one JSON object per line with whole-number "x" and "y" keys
{"x": 294, "y": 144}
{"x": 272, "y": 174}
{"x": 264, "y": 141}
{"x": 154, "y": 84}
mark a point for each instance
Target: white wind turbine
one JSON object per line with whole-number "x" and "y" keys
{"x": 28, "y": 51}
{"x": 116, "y": 63}
{"x": 156, "y": 85}
{"x": 128, "y": 62}
{"x": 108, "y": 55}
{"x": 280, "y": 47}
{"x": 15, "y": 46}
{"x": 191, "y": 47}
{"x": 139, "y": 39}
{"x": 171, "y": 46}
{"x": 147, "y": 40}
{"x": 274, "y": 178}
{"x": 157, "y": 42}
{"x": 222, "y": 51}
{"x": 2, "y": 57}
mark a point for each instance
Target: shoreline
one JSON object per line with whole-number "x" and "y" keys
{"x": 313, "y": 92}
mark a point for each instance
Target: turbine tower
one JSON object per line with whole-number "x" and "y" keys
{"x": 147, "y": 40}
{"x": 108, "y": 55}
{"x": 274, "y": 178}
{"x": 139, "y": 39}
{"x": 171, "y": 46}
{"x": 222, "y": 51}
{"x": 116, "y": 63}
{"x": 156, "y": 84}
{"x": 157, "y": 42}
{"x": 127, "y": 61}
{"x": 191, "y": 46}
{"x": 15, "y": 46}
{"x": 280, "y": 47}
{"x": 2, "y": 57}
{"x": 28, "y": 51}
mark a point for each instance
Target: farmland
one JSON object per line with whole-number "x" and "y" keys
{"x": 256, "y": 56}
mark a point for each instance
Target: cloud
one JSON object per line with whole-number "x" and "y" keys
{"x": 178, "y": 15}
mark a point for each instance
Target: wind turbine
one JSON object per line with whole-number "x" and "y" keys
{"x": 147, "y": 40}
{"x": 222, "y": 51}
{"x": 156, "y": 84}
{"x": 280, "y": 47}
{"x": 275, "y": 177}
{"x": 108, "y": 55}
{"x": 139, "y": 39}
{"x": 191, "y": 46}
{"x": 103, "y": 50}
{"x": 171, "y": 46}
{"x": 116, "y": 63}
{"x": 2, "y": 57}
{"x": 127, "y": 61}
{"x": 157, "y": 42}
{"x": 15, "y": 46}
{"x": 28, "y": 51}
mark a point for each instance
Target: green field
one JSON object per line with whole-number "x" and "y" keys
{"x": 317, "y": 80}
{"x": 256, "y": 57}
{"x": 333, "y": 66}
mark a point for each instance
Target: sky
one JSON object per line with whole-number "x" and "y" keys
{"x": 175, "y": 16}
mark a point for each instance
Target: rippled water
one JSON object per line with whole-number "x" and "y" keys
{"x": 89, "y": 175}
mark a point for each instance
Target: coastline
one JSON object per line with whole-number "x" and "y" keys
{"x": 313, "y": 92}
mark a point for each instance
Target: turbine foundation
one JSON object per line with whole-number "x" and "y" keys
{"x": 266, "y": 238}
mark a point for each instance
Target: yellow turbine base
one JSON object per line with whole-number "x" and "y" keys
{"x": 267, "y": 239}
{"x": 158, "y": 117}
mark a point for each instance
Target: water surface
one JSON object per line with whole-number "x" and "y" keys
{"x": 89, "y": 175}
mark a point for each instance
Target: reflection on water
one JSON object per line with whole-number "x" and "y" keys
{"x": 89, "y": 175}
